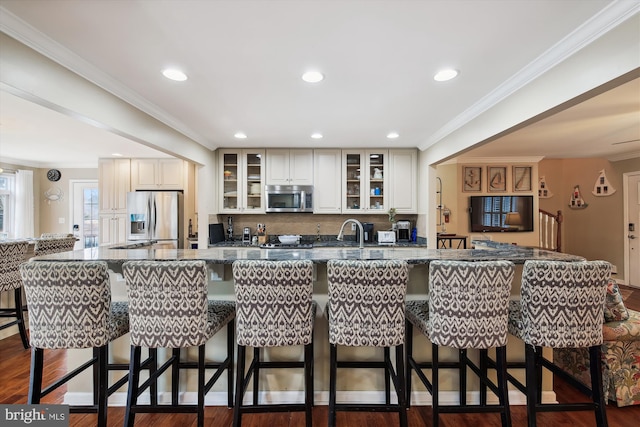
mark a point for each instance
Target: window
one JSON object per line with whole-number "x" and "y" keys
{"x": 90, "y": 217}
{"x": 7, "y": 202}
{"x": 84, "y": 217}
{"x": 495, "y": 210}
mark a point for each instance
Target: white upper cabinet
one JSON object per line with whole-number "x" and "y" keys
{"x": 327, "y": 167}
{"x": 157, "y": 174}
{"x": 364, "y": 181}
{"x": 403, "y": 181}
{"x": 344, "y": 181}
{"x": 289, "y": 167}
{"x": 241, "y": 181}
{"x": 114, "y": 182}
{"x": 114, "y": 179}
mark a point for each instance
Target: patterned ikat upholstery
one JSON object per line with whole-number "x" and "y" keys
{"x": 54, "y": 245}
{"x": 70, "y": 305}
{"x": 274, "y": 302}
{"x": 561, "y": 305}
{"x": 168, "y": 304}
{"x": 367, "y": 302}
{"x": 468, "y": 304}
{"x": 11, "y": 256}
{"x": 55, "y": 235}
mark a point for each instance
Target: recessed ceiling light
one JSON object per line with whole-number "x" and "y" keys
{"x": 316, "y": 135}
{"x": 393, "y": 135}
{"x": 313, "y": 76}
{"x": 446, "y": 74}
{"x": 116, "y": 154}
{"x": 240, "y": 135}
{"x": 174, "y": 74}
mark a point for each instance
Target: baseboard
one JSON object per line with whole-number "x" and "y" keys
{"x": 219, "y": 398}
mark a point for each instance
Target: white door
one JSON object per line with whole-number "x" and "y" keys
{"x": 632, "y": 229}
{"x": 85, "y": 213}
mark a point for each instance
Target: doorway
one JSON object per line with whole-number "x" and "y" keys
{"x": 631, "y": 185}
{"x": 85, "y": 213}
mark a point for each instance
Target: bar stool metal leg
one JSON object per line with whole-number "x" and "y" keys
{"x": 595, "y": 360}
{"x": 240, "y": 384}
{"x": 134, "y": 379}
{"x": 20, "y": 318}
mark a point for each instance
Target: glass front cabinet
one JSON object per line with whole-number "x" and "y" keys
{"x": 364, "y": 184}
{"x": 242, "y": 178}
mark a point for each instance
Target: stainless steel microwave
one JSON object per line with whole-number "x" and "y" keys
{"x": 289, "y": 198}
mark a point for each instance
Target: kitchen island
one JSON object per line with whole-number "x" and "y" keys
{"x": 412, "y": 254}
{"x": 353, "y": 386}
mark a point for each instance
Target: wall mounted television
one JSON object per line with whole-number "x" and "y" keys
{"x": 501, "y": 213}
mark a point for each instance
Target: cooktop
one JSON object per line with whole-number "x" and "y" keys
{"x": 283, "y": 246}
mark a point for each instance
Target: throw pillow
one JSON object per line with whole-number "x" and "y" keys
{"x": 614, "y": 309}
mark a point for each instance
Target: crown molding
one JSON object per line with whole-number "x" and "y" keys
{"x": 608, "y": 18}
{"x": 624, "y": 156}
{"x": 36, "y": 40}
{"x": 44, "y": 165}
{"x": 497, "y": 160}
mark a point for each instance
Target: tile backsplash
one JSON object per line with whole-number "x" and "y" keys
{"x": 303, "y": 223}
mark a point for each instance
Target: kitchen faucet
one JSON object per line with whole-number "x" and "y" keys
{"x": 359, "y": 224}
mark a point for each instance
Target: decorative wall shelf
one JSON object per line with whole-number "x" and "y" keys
{"x": 576, "y": 201}
{"x": 544, "y": 192}
{"x": 602, "y": 187}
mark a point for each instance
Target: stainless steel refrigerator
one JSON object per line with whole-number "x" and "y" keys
{"x": 156, "y": 215}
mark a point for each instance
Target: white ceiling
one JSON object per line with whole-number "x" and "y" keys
{"x": 244, "y": 60}
{"x": 37, "y": 136}
{"x": 606, "y": 126}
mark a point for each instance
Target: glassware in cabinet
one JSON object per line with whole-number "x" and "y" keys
{"x": 254, "y": 181}
{"x": 230, "y": 182}
{"x": 353, "y": 180}
{"x": 376, "y": 161}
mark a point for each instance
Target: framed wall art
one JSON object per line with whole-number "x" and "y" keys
{"x": 522, "y": 178}
{"x": 496, "y": 178}
{"x": 472, "y": 178}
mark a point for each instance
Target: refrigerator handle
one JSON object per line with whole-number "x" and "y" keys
{"x": 150, "y": 221}
{"x": 155, "y": 218}
{"x": 152, "y": 211}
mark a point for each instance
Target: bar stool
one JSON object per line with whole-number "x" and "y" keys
{"x": 366, "y": 308}
{"x": 169, "y": 308}
{"x": 467, "y": 309}
{"x": 11, "y": 257}
{"x": 561, "y": 306}
{"x": 54, "y": 245}
{"x": 274, "y": 309}
{"x": 70, "y": 307}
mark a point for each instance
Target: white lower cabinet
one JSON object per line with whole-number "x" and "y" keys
{"x": 113, "y": 229}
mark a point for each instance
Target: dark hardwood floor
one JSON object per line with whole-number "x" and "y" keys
{"x": 14, "y": 386}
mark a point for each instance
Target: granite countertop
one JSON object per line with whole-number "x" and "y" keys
{"x": 227, "y": 254}
{"x": 134, "y": 245}
{"x": 322, "y": 244}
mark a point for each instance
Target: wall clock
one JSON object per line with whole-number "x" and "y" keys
{"x": 53, "y": 175}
